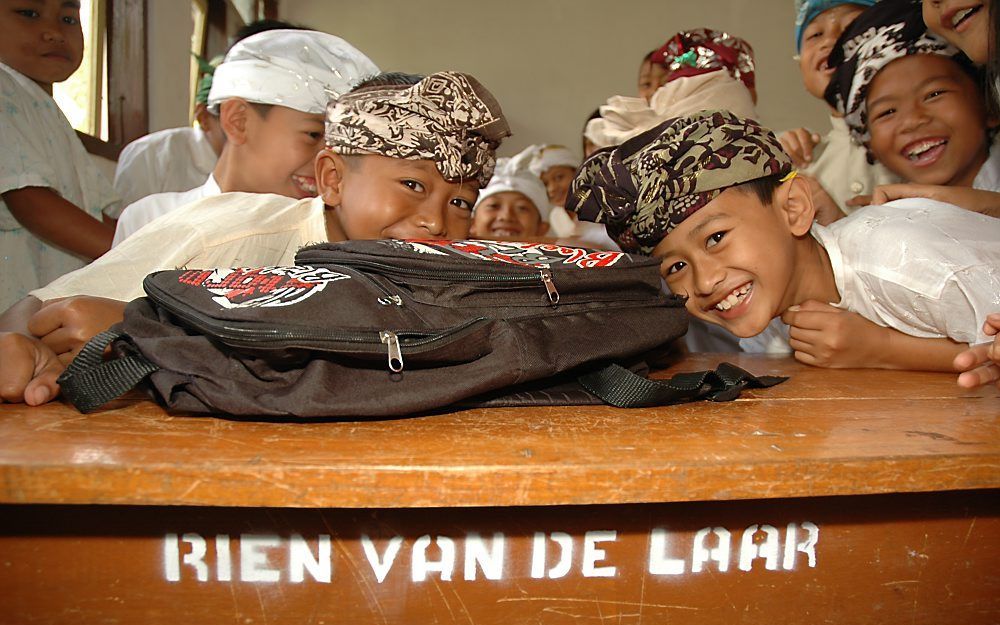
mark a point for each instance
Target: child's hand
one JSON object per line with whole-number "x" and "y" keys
{"x": 825, "y": 336}
{"x": 28, "y": 370}
{"x": 980, "y": 364}
{"x": 65, "y": 325}
{"x": 799, "y": 144}
{"x": 860, "y": 201}
{"x": 976, "y": 200}
{"x": 827, "y": 210}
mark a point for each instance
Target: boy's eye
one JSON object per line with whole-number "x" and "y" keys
{"x": 934, "y": 94}
{"x": 674, "y": 268}
{"x": 315, "y": 136}
{"x": 714, "y": 239}
{"x": 813, "y": 34}
{"x": 883, "y": 113}
{"x": 413, "y": 185}
{"x": 27, "y": 12}
{"x": 72, "y": 21}
{"x": 463, "y": 204}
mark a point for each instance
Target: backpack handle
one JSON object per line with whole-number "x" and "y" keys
{"x": 89, "y": 381}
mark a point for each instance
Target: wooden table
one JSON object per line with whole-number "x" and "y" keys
{"x": 838, "y": 496}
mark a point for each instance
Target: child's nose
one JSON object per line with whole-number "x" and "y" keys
{"x": 913, "y": 118}
{"x": 506, "y": 213}
{"x": 707, "y": 277}
{"x": 431, "y": 218}
{"x": 52, "y": 33}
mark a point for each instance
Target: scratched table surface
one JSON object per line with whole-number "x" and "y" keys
{"x": 823, "y": 432}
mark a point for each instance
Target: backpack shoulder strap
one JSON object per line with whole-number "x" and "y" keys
{"x": 622, "y": 388}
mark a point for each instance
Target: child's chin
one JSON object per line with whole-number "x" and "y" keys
{"x": 742, "y": 328}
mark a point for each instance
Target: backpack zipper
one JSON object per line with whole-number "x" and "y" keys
{"x": 541, "y": 275}
{"x": 254, "y": 336}
{"x": 395, "y": 354}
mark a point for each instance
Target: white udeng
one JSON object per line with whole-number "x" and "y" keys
{"x": 624, "y": 117}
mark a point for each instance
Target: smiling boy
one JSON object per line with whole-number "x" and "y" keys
{"x": 910, "y": 98}
{"x": 400, "y": 161}
{"x": 514, "y": 205}
{"x": 270, "y": 94}
{"x": 715, "y": 198}
{"x": 837, "y": 164}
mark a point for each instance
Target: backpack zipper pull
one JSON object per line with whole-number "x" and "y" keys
{"x": 395, "y": 354}
{"x": 550, "y": 287}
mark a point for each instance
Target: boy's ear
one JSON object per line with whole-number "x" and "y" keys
{"x": 330, "y": 170}
{"x": 795, "y": 199}
{"x": 543, "y": 228}
{"x": 234, "y": 116}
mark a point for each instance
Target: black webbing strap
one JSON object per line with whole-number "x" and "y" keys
{"x": 619, "y": 387}
{"x": 89, "y": 381}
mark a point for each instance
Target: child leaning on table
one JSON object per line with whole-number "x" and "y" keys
{"x": 401, "y": 162}
{"x": 54, "y": 198}
{"x": 715, "y": 198}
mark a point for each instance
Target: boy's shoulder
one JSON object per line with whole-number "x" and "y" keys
{"x": 169, "y": 139}
{"x": 236, "y": 214}
{"x": 913, "y": 242}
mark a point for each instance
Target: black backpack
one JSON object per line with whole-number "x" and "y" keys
{"x": 389, "y": 327}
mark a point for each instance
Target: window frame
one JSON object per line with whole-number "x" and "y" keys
{"x": 127, "y": 75}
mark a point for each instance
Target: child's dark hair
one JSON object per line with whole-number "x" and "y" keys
{"x": 993, "y": 58}
{"x": 262, "y": 109}
{"x": 261, "y": 26}
{"x": 389, "y": 79}
{"x": 595, "y": 115}
{"x": 763, "y": 188}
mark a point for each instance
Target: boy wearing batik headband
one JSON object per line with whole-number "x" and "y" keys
{"x": 514, "y": 205}
{"x": 715, "y": 198}
{"x": 834, "y": 161}
{"x": 270, "y": 95}
{"x": 400, "y": 162}
{"x": 914, "y": 102}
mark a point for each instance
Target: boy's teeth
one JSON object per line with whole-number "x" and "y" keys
{"x": 734, "y": 298}
{"x": 961, "y": 15}
{"x": 922, "y": 147}
{"x": 307, "y": 184}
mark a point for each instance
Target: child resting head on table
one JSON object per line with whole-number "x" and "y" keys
{"x": 401, "y": 162}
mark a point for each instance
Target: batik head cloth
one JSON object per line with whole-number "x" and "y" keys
{"x": 807, "y": 10}
{"x": 448, "y": 117}
{"x": 299, "y": 69}
{"x": 885, "y": 32}
{"x": 703, "y": 50}
{"x": 207, "y": 70}
{"x": 644, "y": 188}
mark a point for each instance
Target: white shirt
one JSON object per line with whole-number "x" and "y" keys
{"x": 176, "y": 159}
{"x": 842, "y": 167}
{"x": 576, "y": 232}
{"x": 923, "y": 267}
{"x": 227, "y": 230}
{"x": 988, "y": 178}
{"x": 137, "y": 215}
{"x": 39, "y": 148}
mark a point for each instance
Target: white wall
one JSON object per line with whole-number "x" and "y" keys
{"x": 551, "y": 62}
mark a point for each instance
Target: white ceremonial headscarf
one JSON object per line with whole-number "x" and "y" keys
{"x": 300, "y": 69}
{"x": 624, "y": 117}
{"x": 514, "y": 174}
{"x": 545, "y": 157}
